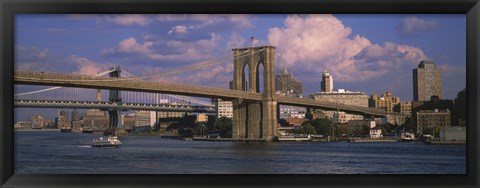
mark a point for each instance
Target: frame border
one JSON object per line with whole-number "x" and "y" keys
{"x": 8, "y": 9}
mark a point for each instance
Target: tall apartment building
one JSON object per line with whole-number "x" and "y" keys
{"x": 386, "y": 101}
{"x": 286, "y": 84}
{"x": 327, "y": 82}
{"x": 427, "y": 81}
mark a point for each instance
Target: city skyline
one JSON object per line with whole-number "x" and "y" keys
{"x": 368, "y": 53}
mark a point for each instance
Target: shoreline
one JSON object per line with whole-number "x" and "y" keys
{"x": 36, "y": 130}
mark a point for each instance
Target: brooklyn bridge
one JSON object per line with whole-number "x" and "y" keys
{"x": 255, "y": 109}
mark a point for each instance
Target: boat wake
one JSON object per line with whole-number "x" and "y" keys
{"x": 85, "y": 146}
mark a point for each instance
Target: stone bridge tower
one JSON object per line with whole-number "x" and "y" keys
{"x": 254, "y": 119}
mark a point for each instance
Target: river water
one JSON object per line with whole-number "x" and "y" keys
{"x": 70, "y": 153}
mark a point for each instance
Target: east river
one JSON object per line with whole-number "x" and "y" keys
{"x": 70, "y": 153}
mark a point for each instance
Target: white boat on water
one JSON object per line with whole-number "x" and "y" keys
{"x": 109, "y": 142}
{"x": 407, "y": 137}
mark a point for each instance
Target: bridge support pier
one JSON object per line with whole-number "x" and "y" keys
{"x": 115, "y": 116}
{"x": 269, "y": 120}
{"x": 239, "y": 119}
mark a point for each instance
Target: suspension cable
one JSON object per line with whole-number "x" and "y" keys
{"x": 53, "y": 88}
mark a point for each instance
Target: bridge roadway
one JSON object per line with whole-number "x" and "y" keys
{"x": 111, "y": 105}
{"x": 125, "y": 84}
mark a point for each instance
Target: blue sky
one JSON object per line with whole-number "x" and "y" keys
{"x": 368, "y": 53}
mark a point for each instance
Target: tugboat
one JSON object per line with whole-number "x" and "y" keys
{"x": 109, "y": 142}
{"x": 87, "y": 130}
{"x": 407, "y": 137}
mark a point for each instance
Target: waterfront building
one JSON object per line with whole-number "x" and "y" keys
{"x": 95, "y": 113}
{"x": 386, "y": 101}
{"x": 396, "y": 119}
{"x": 427, "y": 81}
{"x": 343, "y": 117}
{"x": 376, "y": 133}
{"x": 460, "y": 108}
{"x": 23, "y": 125}
{"x": 128, "y": 121}
{"x": 225, "y": 109}
{"x": 362, "y": 122}
{"x": 170, "y": 114}
{"x": 432, "y": 104}
{"x": 365, "y": 128}
{"x": 62, "y": 121}
{"x": 294, "y": 122}
{"x": 286, "y": 84}
{"x": 404, "y": 108}
{"x": 39, "y": 122}
{"x": 343, "y": 96}
{"x": 453, "y": 134}
{"x": 431, "y": 121}
{"x": 75, "y": 120}
{"x": 144, "y": 118}
{"x": 77, "y": 125}
{"x": 291, "y": 112}
{"x": 202, "y": 117}
{"x": 95, "y": 120}
{"x": 327, "y": 82}
{"x": 283, "y": 131}
{"x": 76, "y": 115}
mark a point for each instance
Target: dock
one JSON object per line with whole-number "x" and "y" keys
{"x": 372, "y": 140}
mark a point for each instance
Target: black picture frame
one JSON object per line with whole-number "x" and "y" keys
{"x": 8, "y": 9}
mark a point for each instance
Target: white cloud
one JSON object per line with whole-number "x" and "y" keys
{"x": 412, "y": 25}
{"x": 321, "y": 42}
{"x": 172, "y": 50}
{"x": 179, "y": 29}
{"x": 127, "y": 19}
{"x": 129, "y": 45}
{"x": 86, "y": 66}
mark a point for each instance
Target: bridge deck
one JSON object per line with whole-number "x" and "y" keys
{"x": 84, "y": 81}
{"x": 111, "y": 105}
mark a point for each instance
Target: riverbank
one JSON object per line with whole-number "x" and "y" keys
{"x": 36, "y": 130}
{"x": 226, "y": 139}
